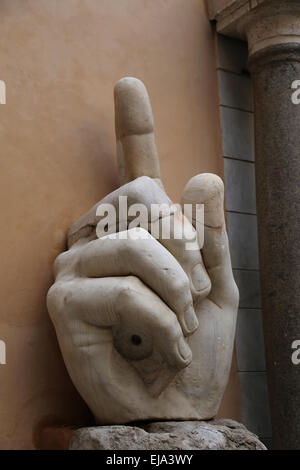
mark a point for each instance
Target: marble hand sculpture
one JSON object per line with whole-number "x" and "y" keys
{"x": 146, "y": 326}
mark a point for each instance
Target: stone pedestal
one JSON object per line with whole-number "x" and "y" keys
{"x": 272, "y": 28}
{"x": 222, "y": 434}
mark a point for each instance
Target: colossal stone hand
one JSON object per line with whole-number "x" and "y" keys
{"x": 145, "y": 325}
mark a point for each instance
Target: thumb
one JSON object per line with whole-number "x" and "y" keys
{"x": 208, "y": 189}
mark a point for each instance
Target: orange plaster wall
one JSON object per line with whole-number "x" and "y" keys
{"x": 60, "y": 60}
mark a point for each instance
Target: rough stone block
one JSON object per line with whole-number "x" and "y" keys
{"x": 219, "y": 434}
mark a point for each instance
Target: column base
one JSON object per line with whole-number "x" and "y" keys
{"x": 218, "y": 434}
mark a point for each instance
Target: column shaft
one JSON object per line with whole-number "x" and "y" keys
{"x": 277, "y": 135}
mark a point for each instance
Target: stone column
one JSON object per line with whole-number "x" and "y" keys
{"x": 272, "y": 28}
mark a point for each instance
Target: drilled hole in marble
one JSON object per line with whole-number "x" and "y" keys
{"x": 136, "y": 340}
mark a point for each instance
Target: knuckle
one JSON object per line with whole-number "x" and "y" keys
{"x": 140, "y": 233}
{"x": 137, "y": 187}
{"x": 61, "y": 262}
{"x": 135, "y": 234}
{"x": 54, "y": 298}
{"x": 127, "y": 290}
{"x": 181, "y": 283}
{"x": 87, "y": 256}
{"x": 141, "y": 181}
{"x": 61, "y": 300}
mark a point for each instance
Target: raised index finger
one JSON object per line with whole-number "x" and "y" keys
{"x": 136, "y": 149}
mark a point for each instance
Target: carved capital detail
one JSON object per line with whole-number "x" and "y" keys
{"x": 263, "y": 23}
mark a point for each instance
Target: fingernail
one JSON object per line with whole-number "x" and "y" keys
{"x": 199, "y": 277}
{"x": 184, "y": 350}
{"x": 190, "y": 320}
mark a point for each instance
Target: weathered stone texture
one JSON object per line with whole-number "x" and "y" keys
{"x": 219, "y": 434}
